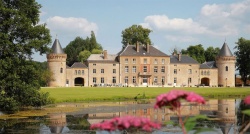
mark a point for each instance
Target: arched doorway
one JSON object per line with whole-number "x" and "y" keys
{"x": 79, "y": 81}
{"x": 205, "y": 81}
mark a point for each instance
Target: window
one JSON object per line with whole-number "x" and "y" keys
{"x": 126, "y": 79}
{"x": 155, "y": 69}
{"x": 208, "y": 72}
{"x": 162, "y": 61}
{"x": 94, "y": 71}
{"x": 145, "y": 111}
{"x": 175, "y": 80}
{"x": 163, "y": 117}
{"x": 67, "y": 81}
{"x": 75, "y": 72}
{"x": 134, "y": 79}
{"x": 134, "y": 61}
{"x": 175, "y": 71}
{"x": 163, "y": 69}
{"x": 226, "y": 68}
{"x": 94, "y": 64}
{"x": 114, "y": 79}
{"x": 145, "y": 69}
{"x": 156, "y": 61}
{"x": 114, "y": 71}
{"x": 114, "y": 64}
{"x": 134, "y": 69}
{"x": 189, "y": 80}
{"x": 94, "y": 80}
{"x": 126, "y": 69}
{"x": 82, "y": 72}
{"x": 155, "y": 79}
{"x": 126, "y": 61}
{"x": 190, "y": 71}
{"x": 61, "y": 70}
{"x": 201, "y": 72}
{"x": 102, "y": 71}
{"x": 226, "y": 109}
{"x": 205, "y": 73}
{"x": 102, "y": 79}
{"x": 79, "y": 72}
{"x": 145, "y": 61}
{"x": 163, "y": 80}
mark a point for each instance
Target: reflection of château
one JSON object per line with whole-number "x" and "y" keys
{"x": 141, "y": 65}
{"x": 221, "y": 110}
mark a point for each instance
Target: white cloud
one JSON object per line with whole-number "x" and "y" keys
{"x": 214, "y": 20}
{"x": 162, "y": 22}
{"x": 71, "y": 25}
{"x": 181, "y": 38}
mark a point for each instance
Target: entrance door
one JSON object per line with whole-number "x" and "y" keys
{"x": 79, "y": 81}
{"x": 144, "y": 81}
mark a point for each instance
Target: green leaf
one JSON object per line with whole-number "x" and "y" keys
{"x": 191, "y": 121}
{"x": 247, "y": 112}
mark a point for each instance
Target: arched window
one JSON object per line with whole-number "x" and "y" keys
{"x": 79, "y": 72}
{"x": 226, "y": 68}
{"x": 61, "y": 70}
{"x": 208, "y": 72}
{"x": 201, "y": 72}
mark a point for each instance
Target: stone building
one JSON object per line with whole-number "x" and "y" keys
{"x": 141, "y": 65}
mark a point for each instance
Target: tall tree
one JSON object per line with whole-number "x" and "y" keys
{"x": 20, "y": 37}
{"x": 134, "y": 34}
{"x": 211, "y": 53}
{"x": 83, "y": 55}
{"x": 78, "y": 45}
{"x": 242, "y": 54}
{"x": 197, "y": 52}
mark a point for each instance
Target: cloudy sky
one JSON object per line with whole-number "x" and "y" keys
{"x": 175, "y": 23}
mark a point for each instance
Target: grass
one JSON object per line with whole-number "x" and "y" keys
{"x": 83, "y": 94}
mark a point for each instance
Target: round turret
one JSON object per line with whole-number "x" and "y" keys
{"x": 57, "y": 65}
{"x": 225, "y": 62}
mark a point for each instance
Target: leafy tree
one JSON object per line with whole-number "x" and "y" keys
{"x": 243, "y": 58}
{"x": 83, "y": 56}
{"x": 134, "y": 34}
{"x": 197, "y": 52}
{"x": 20, "y": 37}
{"x": 211, "y": 53}
{"x": 96, "y": 51}
{"x": 79, "y": 44}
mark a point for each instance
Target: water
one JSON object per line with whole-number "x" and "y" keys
{"x": 225, "y": 114}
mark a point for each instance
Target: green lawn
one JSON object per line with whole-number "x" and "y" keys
{"x": 78, "y": 94}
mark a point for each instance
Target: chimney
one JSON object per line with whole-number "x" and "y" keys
{"x": 147, "y": 48}
{"x": 105, "y": 54}
{"x": 179, "y": 56}
{"x": 137, "y": 46}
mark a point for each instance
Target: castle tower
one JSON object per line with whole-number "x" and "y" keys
{"x": 227, "y": 115}
{"x": 225, "y": 61}
{"x": 57, "y": 65}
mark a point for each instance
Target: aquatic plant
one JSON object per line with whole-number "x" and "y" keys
{"x": 126, "y": 122}
{"x": 173, "y": 99}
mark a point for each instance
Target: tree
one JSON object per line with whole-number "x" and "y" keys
{"x": 83, "y": 56}
{"x": 20, "y": 37}
{"x": 243, "y": 58}
{"x": 134, "y": 34}
{"x": 79, "y": 44}
{"x": 211, "y": 53}
{"x": 96, "y": 51}
{"x": 197, "y": 52}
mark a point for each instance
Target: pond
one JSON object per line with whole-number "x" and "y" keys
{"x": 225, "y": 115}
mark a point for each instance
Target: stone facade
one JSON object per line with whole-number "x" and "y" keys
{"x": 142, "y": 65}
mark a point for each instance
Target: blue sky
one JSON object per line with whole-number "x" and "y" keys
{"x": 175, "y": 23}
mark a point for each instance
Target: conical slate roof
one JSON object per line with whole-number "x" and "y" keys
{"x": 57, "y": 48}
{"x": 225, "y": 51}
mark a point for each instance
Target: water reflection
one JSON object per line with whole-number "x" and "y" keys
{"x": 223, "y": 112}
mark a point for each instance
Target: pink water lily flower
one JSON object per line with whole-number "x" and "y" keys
{"x": 173, "y": 97}
{"x": 126, "y": 122}
{"x": 247, "y": 100}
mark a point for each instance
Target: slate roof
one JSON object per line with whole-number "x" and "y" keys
{"x": 208, "y": 65}
{"x": 100, "y": 58}
{"x": 185, "y": 59}
{"x": 57, "y": 48}
{"x": 225, "y": 51}
{"x": 78, "y": 65}
{"x": 130, "y": 50}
